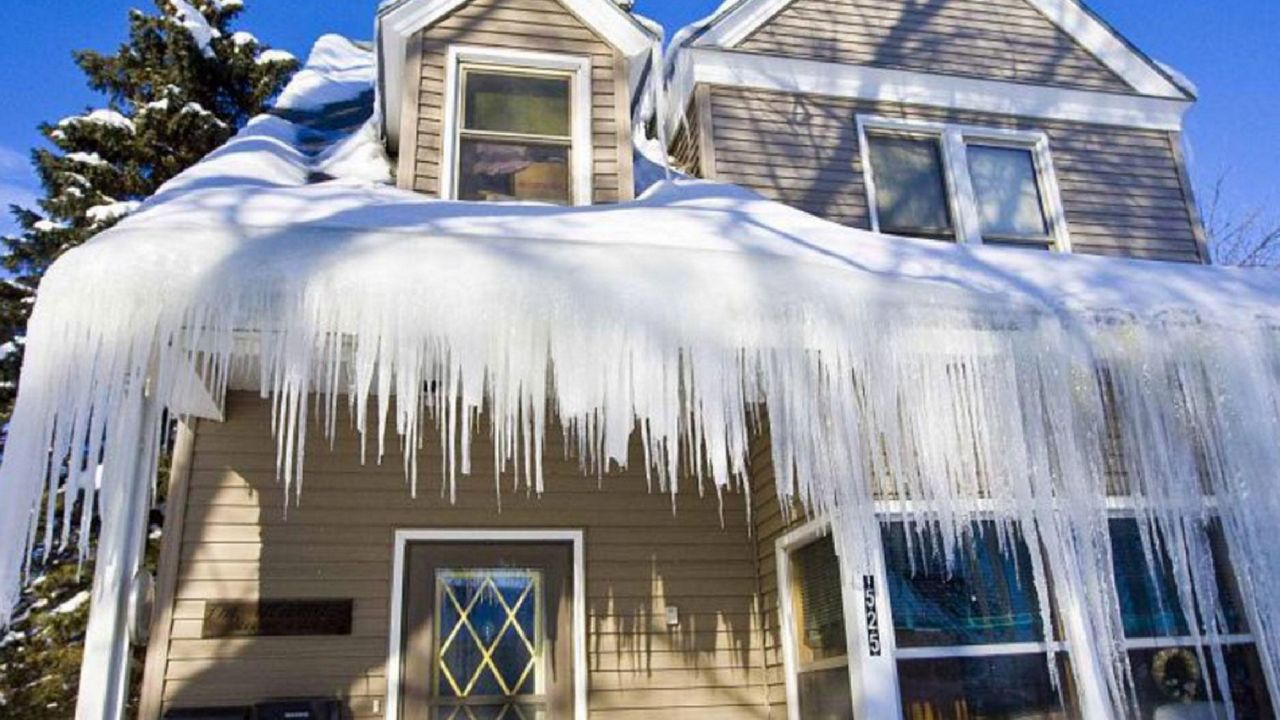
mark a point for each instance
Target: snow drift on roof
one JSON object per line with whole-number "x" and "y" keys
{"x": 978, "y": 383}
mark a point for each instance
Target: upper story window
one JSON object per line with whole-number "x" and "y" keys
{"x": 517, "y": 127}
{"x": 973, "y": 185}
{"x": 515, "y": 140}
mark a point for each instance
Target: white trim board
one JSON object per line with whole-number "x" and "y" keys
{"x": 811, "y": 77}
{"x": 582, "y": 152}
{"x": 396, "y": 23}
{"x": 1070, "y": 16}
{"x": 402, "y": 540}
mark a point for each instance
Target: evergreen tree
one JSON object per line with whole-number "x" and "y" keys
{"x": 181, "y": 86}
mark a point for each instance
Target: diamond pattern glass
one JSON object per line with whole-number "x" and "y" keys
{"x": 489, "y": 641}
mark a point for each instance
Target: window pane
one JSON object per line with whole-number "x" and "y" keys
{"x": 1150, "y": 606}
{"x": 1172, "y": 685}
{"x": 1005, "y": 687}
{"x": 911, "y": 191}
{"x": 487, "y": 633}
{"x": 525, "y": 104}
{"x": 513, "y": 171}
{"x": 825, "y": 695}
{"x": 1008, "y": 195}
{"x": 816, "y": 602}
{"x": 987, "y": 597}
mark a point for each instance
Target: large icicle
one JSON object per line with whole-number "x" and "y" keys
{"x": 950, "y": 385}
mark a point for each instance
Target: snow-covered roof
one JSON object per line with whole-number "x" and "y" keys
{"x": 885, "y": 367}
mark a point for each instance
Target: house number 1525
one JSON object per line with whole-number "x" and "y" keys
{"x": 870, "y": 605}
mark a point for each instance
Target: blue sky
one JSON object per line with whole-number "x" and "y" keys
{"x": 1228, "y": 48}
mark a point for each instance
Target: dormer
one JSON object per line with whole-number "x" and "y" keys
{"x": 511, "y": 100}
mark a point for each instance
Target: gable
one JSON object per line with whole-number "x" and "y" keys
{"x": 399, "y": 20}
{"x": 1056, "y": 43}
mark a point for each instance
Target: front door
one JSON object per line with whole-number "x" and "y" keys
{"x": 488, "y": 631}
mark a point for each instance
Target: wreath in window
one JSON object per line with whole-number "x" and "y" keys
{"x": 1177, "y": 673}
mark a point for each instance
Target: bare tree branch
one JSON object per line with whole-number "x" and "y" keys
{"x": 1248, "y": 239}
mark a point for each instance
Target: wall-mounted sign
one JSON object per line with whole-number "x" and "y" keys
{"x": 870, "y": 605}
{"x": 277, "y": 618}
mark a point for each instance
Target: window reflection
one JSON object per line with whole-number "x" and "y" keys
{"x": 985, "y": 596}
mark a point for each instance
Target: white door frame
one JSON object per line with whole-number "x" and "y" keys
{"x": 481, "y": 535}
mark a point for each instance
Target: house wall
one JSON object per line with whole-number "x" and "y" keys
{"x": 1124, "y": 190}
{"x": 537, "y": 25}
{"x": 770, "y": 524}
{"x": 238, "y": 542}
{"x": 990, "y": 39}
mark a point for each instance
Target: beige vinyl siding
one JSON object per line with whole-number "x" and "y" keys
{"x": 990, "y": 39}
{"x": 1122, "y": 189}
{"x": 537, "y": 25}
{"x": 238, "y": 542}
{"x": 769, "y": 524}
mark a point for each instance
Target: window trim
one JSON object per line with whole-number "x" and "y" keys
{"x": 578, "y": 68}
{"x": 884, "y": 703}
{"x": 404, "y": 536}
{"x": 1126, "y": 508}
{"x": 953, "y": 141}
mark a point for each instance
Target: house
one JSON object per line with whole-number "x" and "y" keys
{"x": 857, "y": 426}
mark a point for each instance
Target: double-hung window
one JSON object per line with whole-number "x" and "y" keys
{"x": 517, "y": 127}
{"x": 970, "y": 635}
{"x": 966, "y": 637}
{"x": 1175, "y": 675}
{"x": 950, "y": 182}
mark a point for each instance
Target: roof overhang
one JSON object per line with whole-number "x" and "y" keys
{"x": 739, "y": 21}
{"x": 714, "y": 66}
{"x": 398, "y": 20}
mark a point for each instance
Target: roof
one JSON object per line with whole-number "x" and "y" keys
{"x": 735, "y": 20}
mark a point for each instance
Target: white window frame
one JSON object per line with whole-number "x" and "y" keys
{"x": 1124, "y": 508}
{"x": 873, "y": 679}
{"x": 582, "y": 162}
{"x": 953, "y": 141}
{"x": 403, "y": 538}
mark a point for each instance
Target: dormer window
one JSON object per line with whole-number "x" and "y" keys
{"x": 515, "y": 141}
{"x": 517, "y": 127}
{"x": 973, "y": 185}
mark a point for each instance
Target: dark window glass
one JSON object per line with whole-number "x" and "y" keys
{"x": 820, "y": 615}
{"x": 1149, "y": 604}
{"x": 985, "y": 596}
{"x": 1173, "y": 684}
{"x": 825, "y": 695}
{"x": 521, "y": 104}
{"x": 502, "y": 170}
{"x": 911, "y": 190}
{"x": 821, "y": 644}
{"x": 1008, "y": 195}
{"x": 1007, "y": 687}
{"x": 488, "y": 633}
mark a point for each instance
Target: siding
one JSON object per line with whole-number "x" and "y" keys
{"x": 539, "y": 25}
{"x": 1122, "y": 189}
{"x": 640, "y": 557}
{"x": 990, "y": 39}
{"x": 769, "y": 524}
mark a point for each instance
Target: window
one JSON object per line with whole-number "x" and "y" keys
{"x": 1172, "y": 677}
{"x": 972, "y": 185}
{"x": 818, "y": 632}
{"x": 517, "y": 127}
{"x": 911, "y": 190}
{"x": 959, "y": 641}
{"x": 970, "y": 636}
{"x": 515, "y": 141}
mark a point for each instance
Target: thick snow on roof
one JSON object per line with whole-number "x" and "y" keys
{"x": 886, "y": 367}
